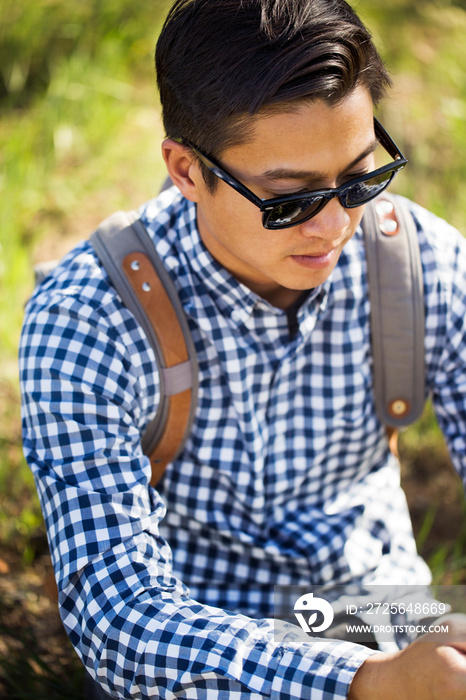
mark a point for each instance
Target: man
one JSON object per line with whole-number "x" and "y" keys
{"x": 286, "y": 478}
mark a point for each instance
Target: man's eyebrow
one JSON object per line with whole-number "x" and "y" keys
{"x": 309, "y": 175}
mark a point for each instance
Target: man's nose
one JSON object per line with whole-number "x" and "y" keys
{"x": 329, "y": 224}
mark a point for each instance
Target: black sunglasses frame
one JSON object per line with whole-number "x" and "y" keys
{"x": 266, "y": 206}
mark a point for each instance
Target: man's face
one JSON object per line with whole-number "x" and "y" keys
{"x": 310, "y": 147}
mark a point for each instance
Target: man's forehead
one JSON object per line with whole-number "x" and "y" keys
{"x": 308, "y": 141}
{"x": 283, "y": 173}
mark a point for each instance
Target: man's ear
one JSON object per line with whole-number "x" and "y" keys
{"x": 182, "y": 168}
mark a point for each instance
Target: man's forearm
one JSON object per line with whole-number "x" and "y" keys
{"x": 431, "y": 668}
{"x": 375, "y": 679}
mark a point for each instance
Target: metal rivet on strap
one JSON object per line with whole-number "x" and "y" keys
{"x": 398, "y": 407}
{"x": 135, "y": 265}
{"x": 146, "y": 287}
{"x": 384, "y": 207}
{"x": 388, "y": 226}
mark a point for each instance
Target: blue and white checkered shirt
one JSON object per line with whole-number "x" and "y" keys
{"x": 286, "y": 478}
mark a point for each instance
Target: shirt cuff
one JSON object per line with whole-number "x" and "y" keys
{"x": 318, "y": 669}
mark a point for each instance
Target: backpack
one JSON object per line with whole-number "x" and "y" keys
{"x": 397, "y": 320}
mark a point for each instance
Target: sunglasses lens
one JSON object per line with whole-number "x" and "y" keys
{"x": 363, "y": 192}
{"x": 354, "y": 194}
{"x": 290, "y": 213}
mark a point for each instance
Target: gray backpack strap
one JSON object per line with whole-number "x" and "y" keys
{"x": 396, "y": 293}
{"x": 135, "y": 270}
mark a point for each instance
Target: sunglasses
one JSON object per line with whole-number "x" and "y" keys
{"x": 293, "y": 209}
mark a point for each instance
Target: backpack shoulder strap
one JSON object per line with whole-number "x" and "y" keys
{"x": 135, "y": 270}
{"x": 396, "y": 293}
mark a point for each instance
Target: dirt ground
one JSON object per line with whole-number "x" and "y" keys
{"x": 36, "y": 658}
{"x": 435, "y": 494}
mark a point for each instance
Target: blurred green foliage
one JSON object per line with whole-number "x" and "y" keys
{"x": 36, "y": 37}
{"x": 79, "y": 134}
{"x": 424, "y": 46}
{"x": 79, "y": 128}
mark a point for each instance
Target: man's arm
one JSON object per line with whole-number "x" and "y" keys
{"x": 433, "y": 668}
{"x": 88, "y": 386}
{"x": 425, "y": 670}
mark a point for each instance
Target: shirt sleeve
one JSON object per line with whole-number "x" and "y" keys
{"x": 443, "y": 251}
{"x": 89, "y": 388}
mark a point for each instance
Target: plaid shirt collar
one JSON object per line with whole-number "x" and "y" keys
{"x": 233, "y": 298}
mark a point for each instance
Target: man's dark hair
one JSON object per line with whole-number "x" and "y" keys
{"x": 220, "y": 61}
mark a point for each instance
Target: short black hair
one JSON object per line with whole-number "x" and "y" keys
{"x": 220, "y": 61}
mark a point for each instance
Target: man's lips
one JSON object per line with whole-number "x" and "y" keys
{"x": 321, "y": 259}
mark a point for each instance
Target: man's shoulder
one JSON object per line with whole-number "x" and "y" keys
{"x": 443, "y": 258}
{"x": 434, "y": 232}
{"x": 80, "y": 274}
{"x": 76, "y": 274}
{"x": 442, "y": 249}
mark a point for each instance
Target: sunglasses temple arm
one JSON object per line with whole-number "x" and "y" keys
{"x": 387, "y": 141}
{"x": 215, "y": 168}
